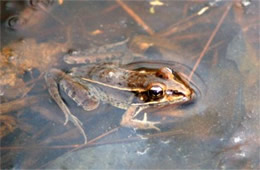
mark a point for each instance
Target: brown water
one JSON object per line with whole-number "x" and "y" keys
{"x": 220, "y": 130}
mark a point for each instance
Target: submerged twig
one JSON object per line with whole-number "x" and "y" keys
{"x": 210, "y": 40}
{"x": 19, "y": 103}
{"x": 177, "y": 26}
{"x": 135, "y": 17}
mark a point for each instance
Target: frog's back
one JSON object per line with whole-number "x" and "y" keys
{"x": 89, "y": 71}
{"x": 107, "y": 74}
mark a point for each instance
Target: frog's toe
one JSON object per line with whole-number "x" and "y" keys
{"x": 145, "y": 124}
{"x": 150, "y": 124}
{"x": 66, "y": 119}
{"x": 75, "y": 120}
{"x": 78, "y": 124}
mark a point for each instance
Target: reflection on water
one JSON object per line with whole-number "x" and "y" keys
{"x": 219, "y": 130}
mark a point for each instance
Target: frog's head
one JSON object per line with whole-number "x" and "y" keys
{"x": 166, "y": 87}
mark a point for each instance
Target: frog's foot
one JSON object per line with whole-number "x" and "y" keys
{"x": 78, "y": 124}
{"x": 70, "y": 117}
{"x": 139, "y": 124}
{"x": 145, "y": 124}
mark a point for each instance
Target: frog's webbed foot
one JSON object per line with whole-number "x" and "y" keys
{"x": 85, "y": 58}
{"x": 128, "y": 120}
{"x": 51, "y": 79}
{"x": 77, "y": 123}
{"x": 145, "y": 124}
{"x": 106, "y": 53}
{"x": 70, "y": 117}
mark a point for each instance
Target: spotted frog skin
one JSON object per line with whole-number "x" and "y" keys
{"x": 133, "y": 90}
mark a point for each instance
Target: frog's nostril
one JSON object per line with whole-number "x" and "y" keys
{"x": 175, "y": 93}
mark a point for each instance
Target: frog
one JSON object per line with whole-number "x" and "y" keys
{"x": 91, "y": 83}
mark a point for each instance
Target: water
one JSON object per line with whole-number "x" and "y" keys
{"x": 220, "y": 130}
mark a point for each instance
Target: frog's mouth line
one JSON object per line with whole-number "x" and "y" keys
{"x": 161, "y": 102}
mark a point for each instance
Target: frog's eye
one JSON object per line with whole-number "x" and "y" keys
{"x": 165, "y": 73}
{"x": 155, "y": 92}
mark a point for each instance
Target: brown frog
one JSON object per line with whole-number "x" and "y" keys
{"x": 110, "y": 82}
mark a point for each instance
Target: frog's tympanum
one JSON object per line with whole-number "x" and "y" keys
{"x": 129, "y": 89}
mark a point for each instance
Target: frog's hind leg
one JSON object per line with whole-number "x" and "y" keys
{"x": 82, "y": 95}
{"x": 82, "y": 58}
{"x": 51, "y": 78}
{"x": 108, "y": 53}
{"x": 109, "y": 47}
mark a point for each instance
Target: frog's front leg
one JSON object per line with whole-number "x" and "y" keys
{"x": 51, "y": 78}
{"x": 128, "y": 119}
